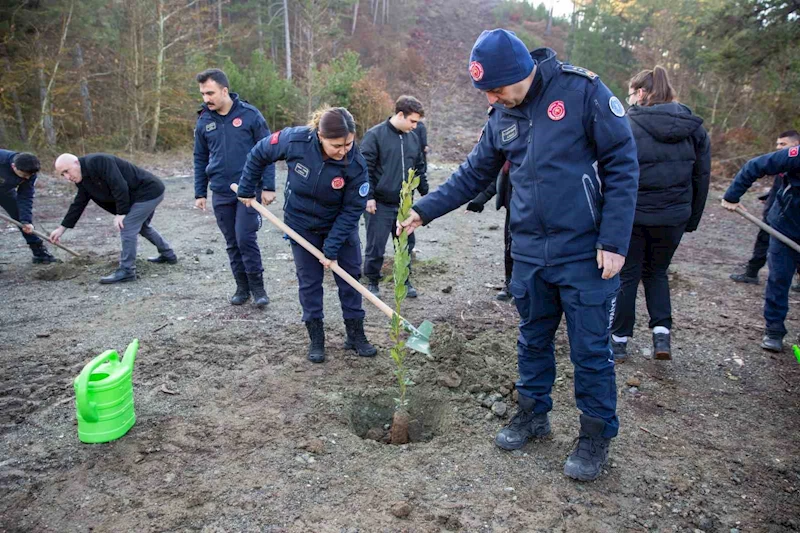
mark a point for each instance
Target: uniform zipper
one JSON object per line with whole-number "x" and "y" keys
{"x": 402, "y": 161}
{"x": 314, "y": 190}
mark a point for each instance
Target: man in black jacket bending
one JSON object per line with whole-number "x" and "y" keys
{"x": 124, "y": 190}
{"x": 391, "y": 149}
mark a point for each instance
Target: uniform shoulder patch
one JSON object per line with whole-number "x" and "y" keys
{"x": 364, "y": 189}
{"x": 275, "y": 137}
{"x": 616, "y": 106}
{"x": 580, "y": 71}
{"x": 794, "y": 151}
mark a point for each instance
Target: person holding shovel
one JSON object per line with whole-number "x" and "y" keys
{"x": 784, "y": 216}
{"x": 326, "y": 193}
{"x": 570, "y": 225}
{"x": 126, "y": 191}
{"x": 18, "y": 173}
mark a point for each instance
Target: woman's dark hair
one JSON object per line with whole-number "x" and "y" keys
{"x": 27, "y": 163}
{"x": 333, "y": 122}
{"x": 213, "y": 74}
{"x": 656, "y": 86}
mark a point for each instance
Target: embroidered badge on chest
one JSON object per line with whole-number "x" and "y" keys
{"x": 211, "y": 127}
{"x": 337, "y": 182}
{"x": 794, "y": 151}
{"x": 509, "y": 134}
{"x": 616, "y": 107}
{"x": 237, "y": 122}
{"x": 302, "y": 170}
{"x": 556, "y": 111}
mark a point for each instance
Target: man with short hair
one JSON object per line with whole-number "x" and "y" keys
{"x": 787, "y": 139}
{"x": 227, "y": 129}
{"x": 126, "y": 191}
{"x": 18, "y": 173}
{"x": 391, "y": 149}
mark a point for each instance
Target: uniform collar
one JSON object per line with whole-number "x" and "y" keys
{"x": 236, "y": 103}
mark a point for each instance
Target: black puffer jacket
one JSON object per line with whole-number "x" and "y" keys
{"x": 674, "y": 165}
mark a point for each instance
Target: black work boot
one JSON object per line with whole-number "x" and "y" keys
{"x": 374, "y": 288}
{"x": 411, "y": 292}
{"x": 316, "y": 348}
{"x": 661, "y": 347}
{"x": 170, "y": 259}
{"x": 357, "y": 339}
{"x": 242, "y": 293}
{"x": 620, "y": 350}
{"x": 42, "y": 256}
{"x": 524, "y": 425}
{"x": 772, "y": 342}
{"x": 256, "y": 282}
{"x": 505, "y": 294}
{"x": 119, "y": 276}
{"x": 590, "y": 453}
{"x": 745, "y": 277}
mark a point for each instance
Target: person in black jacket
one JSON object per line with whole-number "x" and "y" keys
{"x": 124, "y": 190}
{"x": 503, "y": 187}
{"x": 391, "y": 149}
{"x": 787, "y": 139}
{"x": 421, "y": 131}
{"x": 674, "y": 170}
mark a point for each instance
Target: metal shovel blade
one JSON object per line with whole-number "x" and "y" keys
{"x": 420, "y": 339}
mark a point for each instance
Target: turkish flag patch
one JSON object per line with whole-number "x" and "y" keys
{"x": 794, "y": 151}
{"x": 274, "y": 137}
{"x": 237, "y": 122}
{"x": 556, "y": 110}
{"x": 337, "y": 182}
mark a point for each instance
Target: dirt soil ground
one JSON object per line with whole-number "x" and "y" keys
{"x": 236, "y": 431}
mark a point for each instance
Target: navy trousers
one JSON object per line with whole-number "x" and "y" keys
{"x": 783, "y": 263}
{"x": 239, "y": 225}
{"x": 310, "y": 273}
{"x": 9, "y": 203}
{"x": 380, "y": 227}
{"x": 542, "y": 295}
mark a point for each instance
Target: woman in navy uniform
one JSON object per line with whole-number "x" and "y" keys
{"x": 326, "y": 193}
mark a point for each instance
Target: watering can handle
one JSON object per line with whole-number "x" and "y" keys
{"x": 87, "y": 409}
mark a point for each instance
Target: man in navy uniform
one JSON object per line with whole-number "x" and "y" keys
{"x": 784, "y": 216}
{"x": 574, "y": 177}
{"x": 226, "y": 131}
{"x": 18, "y": 173}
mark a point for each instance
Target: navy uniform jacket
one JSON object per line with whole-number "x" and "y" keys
{"x": 221, "y": 145}
{"x": 322, "y": 196}
{"x": 9, "y": 181}
{"x": 574, "y": 172}
{"x": 784, "y": 215}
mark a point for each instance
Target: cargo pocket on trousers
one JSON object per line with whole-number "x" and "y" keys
{"x": 594, "y": 313}
{"x": 521, "y": 298}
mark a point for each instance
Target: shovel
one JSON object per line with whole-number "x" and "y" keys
{"x": 772, "y": 231}
{"x": 419, "y": 339}
{"x": 39, "y": 234}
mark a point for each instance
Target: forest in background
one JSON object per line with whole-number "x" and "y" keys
{"x": 119, "y": 75}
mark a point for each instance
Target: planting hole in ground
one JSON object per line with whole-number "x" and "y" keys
{"x": 370, "y": 416}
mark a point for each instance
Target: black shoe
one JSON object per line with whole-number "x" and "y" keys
{"x": 744, "y": 278}
{"x": 161, "y": 258}
{"x": 620, "y": 350}
{"x": 256, "y": 282}
{"x": 41, "y": 256}
{"x": 119, "y": 276}
{"x": 590, "y": 453}
{"x": 316, "y": 348}
{"x": 504, "y": 295}
{"x": 374, "y": 288}
{"x": 411, "y": 292}
{"x": 242, "y": 293}
{"x": 772, "y": 342}
{"x": 524, "y": 425}
{"x": 661, "y": 347}
{"x": 356, "y": 339}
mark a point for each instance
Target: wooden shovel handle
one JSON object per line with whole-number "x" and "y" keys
{"x": 313, "y": 250}
{"x": 769, "y": 229}
{"x": 39, "y": 234}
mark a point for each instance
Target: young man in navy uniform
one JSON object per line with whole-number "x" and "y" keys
{"x": 226, "y": 131}
{"x": 18, "y": 173}
{"x": 784, "y": 216}
{"x": 574, "y": 177}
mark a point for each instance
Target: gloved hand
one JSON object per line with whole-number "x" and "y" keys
{"x": 475, "y": 207}
{"x": 423, "y": 189}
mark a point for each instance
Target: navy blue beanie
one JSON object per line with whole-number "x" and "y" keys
{"x": 498, "y": 59}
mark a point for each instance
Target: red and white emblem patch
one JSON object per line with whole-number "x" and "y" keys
{"x": 274, "y": 137}
{"x": 476, "y": 71}
{"x": 237, "y": 122}
{"x": 794, "y": 151}
{"x": 337, "y": 183}
{"x": 556, "y": 110}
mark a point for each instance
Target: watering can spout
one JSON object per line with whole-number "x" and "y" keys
{"x": 130, "y": 354}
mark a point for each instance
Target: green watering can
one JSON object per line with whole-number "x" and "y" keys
{"x": 104, "y": 396}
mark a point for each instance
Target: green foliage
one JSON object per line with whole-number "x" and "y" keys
{"x": 338, "y": 77}
{"x": 402, "y": 260}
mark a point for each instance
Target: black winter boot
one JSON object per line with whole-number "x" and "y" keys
{"x": 620, "y": 350}
{"x": 357, "y": 339}
{"x": 118, "y": 276}
{"x": 316, "y": 348}
{"x": 590, "y": 453}
{"x": 256, "y": 282}
{"x": 411, "y": 292}
{"x": 661, "y": 347}
{"x": 524, "y": 425}
{"x": 772, "y": 342}
{"x": 42, "y": 256}
{"x": 505, "y": 294}
{"x": 242, "y": 293}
